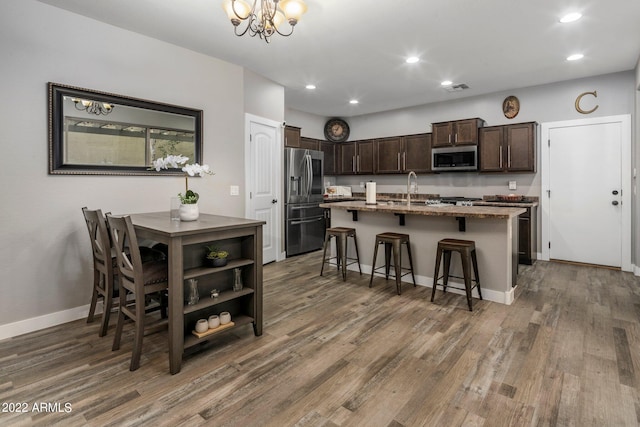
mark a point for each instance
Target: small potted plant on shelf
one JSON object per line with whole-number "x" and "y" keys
{"x": 216, "y": 257}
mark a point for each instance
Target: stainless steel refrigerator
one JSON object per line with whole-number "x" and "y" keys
{"x": 304, "y": 188}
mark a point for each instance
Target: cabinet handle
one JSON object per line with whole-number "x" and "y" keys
{"x": 509, "y": 156}
{"x": 456, "y": 137}
{"x": 353, "y": 164}
{"x": 500, "y": 157}
{"x": 398, "y": 160}
{"x": 358, "y": 164}
{"x": 449, "y": 138}
{"x": 404, "y": 160}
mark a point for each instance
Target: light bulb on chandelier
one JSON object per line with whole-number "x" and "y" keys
{"x": 264, "y": 19}
{"x": 93, "y": 107}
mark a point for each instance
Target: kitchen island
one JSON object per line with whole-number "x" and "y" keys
{"x": 494, "y": 229}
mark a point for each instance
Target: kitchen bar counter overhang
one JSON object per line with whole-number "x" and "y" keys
{"x": 420, "y": 208}
{"x": 494, "y": 229}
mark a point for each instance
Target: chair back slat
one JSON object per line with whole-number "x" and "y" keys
{"x": 126, "y": 247}
{"x": 104, "y": 274}
{"x": 99, "y": 236}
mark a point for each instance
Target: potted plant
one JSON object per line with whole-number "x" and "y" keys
{"x": 189, "y": 210}
{"x": 216, "y": 257}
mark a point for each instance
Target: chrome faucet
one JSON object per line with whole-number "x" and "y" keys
{"x": 409, "y": 186}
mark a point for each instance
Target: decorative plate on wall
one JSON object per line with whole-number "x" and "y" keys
{"x": 510, "y": 107}
{"x": 336, "y": 130}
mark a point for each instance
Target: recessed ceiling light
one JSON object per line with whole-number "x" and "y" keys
{"x": 310, "y": 87}
{"x": 575, "y": 57}
{"x": 446, "y": 83}
{"x": 353, "y": 101}
{"x": 412, "y": 59}
{"x": 570, "y": 17}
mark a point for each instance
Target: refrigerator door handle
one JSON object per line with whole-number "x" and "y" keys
{"x": 307, "y": 221}
{"x": 309, "y": 175}
{"x": 296, "y": 208}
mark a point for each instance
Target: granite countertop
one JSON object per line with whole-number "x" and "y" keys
{"x": 528, "y": 202}
{"x": 419, "y": 208}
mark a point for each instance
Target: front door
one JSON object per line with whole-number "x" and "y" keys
{"x": 587, "y": 193}
{"x": 264, "y": 183}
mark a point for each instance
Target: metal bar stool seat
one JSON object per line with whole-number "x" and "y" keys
{"x": 392, "y": 243}
{"x": 467, "y": 251}
{"x": 342, "y": 260}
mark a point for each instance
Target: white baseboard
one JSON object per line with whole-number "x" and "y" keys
{"x": 41, "y": 322}
{"x": 487, "y": 294}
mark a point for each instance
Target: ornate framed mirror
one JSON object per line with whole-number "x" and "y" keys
{"x": 99, "y": 133}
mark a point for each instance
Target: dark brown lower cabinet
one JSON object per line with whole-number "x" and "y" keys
{"x": 527, "y": 237}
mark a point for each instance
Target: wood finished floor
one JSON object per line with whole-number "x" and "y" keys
{"x": 341, "y": 354}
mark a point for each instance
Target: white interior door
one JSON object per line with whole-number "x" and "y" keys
{"x": 586, "y": 201}
{"x": 264, "y": 181}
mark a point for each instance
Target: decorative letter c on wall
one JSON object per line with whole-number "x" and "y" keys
{"x": 579, "y": 98}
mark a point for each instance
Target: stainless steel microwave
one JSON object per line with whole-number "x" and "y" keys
{"x": 448, "y": 159}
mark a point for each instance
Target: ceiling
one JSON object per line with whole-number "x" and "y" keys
{"x": 354, "y": 50}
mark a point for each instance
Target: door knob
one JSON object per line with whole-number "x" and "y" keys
{"x": 614, "y": 192}
{"x": 614, "y": 203}
{"x": 274, "y": 201}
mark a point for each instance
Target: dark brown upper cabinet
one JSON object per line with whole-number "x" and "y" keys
{"x": 508, "y": 148}
{"x": 459, "y": 132}
{"x": 329, "y": 150}
{"x": 309, "y": 143}
{"x": 400, "y": 154}
{"x": 291, "y": 137}
{"x": 356, "y": 157}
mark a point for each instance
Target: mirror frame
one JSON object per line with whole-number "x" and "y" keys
{"x": 56, "y": 94}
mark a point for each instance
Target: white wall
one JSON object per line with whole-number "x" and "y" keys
{"x": 263, "y": 97}
{"x": 311, "y": 125}
{"x": 45, "y": 261}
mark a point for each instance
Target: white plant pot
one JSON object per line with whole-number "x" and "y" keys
{"x": 225, "y": 317}
{"x": 189, "y": 212}
{"x": 202, "y": 325}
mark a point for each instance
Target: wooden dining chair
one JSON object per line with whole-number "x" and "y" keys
{"x": 138, "y": 280}
{"x": 104, "y": 284}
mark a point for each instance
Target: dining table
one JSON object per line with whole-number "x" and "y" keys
{"x": 185, "y": 241}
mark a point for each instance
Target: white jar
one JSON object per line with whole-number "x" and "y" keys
{"x": 202, "y": 326}
{"x": 214, "y": 321}
{"x": 225, "y": 317}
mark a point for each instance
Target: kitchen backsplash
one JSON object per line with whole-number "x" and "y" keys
{"x": 459, "y": 184}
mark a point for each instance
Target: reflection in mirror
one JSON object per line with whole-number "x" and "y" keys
{"x": 98, "y": 133}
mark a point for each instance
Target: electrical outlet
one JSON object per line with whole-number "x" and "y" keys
{"x": 234, "y": 190}
{"x": 512, "y": 185}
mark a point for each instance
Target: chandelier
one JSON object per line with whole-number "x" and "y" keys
{"x": 265, "y": 17}
{"x": 93, "y": 107}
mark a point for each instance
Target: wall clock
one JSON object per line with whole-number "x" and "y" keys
{"x": 336, "y": 130}
{"x": 510, "y": 107}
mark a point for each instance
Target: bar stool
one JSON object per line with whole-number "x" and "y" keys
{"x": 392, "y": 242}
{"x": 342, "y": 260}
{"x": 467, "y": 251}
